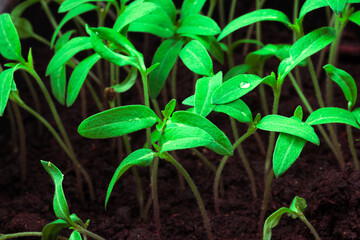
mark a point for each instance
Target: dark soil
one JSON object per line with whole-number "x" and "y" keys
{"x": 332, "y": 195}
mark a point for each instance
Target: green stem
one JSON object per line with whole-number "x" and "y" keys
{"x": 154, "y": 193}
{"x": 352, "y": 147}
{"x": 94, "y": 95}
{"x": 22, "y": 139}
{"x": 49, "y": 15}
{"x": 221, "y": 14}
{"x": 26, "y": 234}
{"x": 173, "y": 81}
{"x": 244, "y": 159}
{"x": 315, "y": 82}
{"x": 308, "y": 224}
{"x": 268, "y": 182}
{"x": 147, "y": 104}
{"x": 204, "y": 159}
{"x": 212, "y": 7}
{"x": 221, "y": 167}
{"x": 88, "y": 233}
{"x": 197, "y": 195}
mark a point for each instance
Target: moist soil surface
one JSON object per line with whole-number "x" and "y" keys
{"x": 332, "y": 195}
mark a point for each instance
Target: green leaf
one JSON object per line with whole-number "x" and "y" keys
{"x": 51, "y": 230}
{"x": 236, "y": 109}
{"x": 70, "y": 4}
{"x": 134, "y": 11}
{"x": 210, "y": 43}
{"x": 117, "y": 122}
{"x": 10, "y": 46}
{"x": 166, "y": 55}
{"x": 237, "y": 70}
{"x": 355, "y": 17}
{"x": 190, "y": 7}
{"x": 311, "y": 5}
{"x": 253, "y": 17}
{"x": 167, "y": 6}
{"x": 75, "y": 235}
{"x": 169, "y": 109}
{"x": 356, "y": 113}
{"x": 345, "y": 81}
{"x": 157, "y": 23}
{"x": 196, "y": 58}
{"x": 337, "y": 5}
{"x": 199, "y": 25}
{"x": 235, "y": 88}
{"x": 63, "y": 40}
{"x": 277, "y": 123}
{"x": 128, "y": 82}
{"x": 272, "y": 221}
{"x": 60, "y": 205}
{"x": 58, "y": 83}
{"x": 332, "y": 115}
{"x": 298, "y": 205}
{"x": 77, "y": 11}
{"x": 99, "y": 34}
{"x": 6, "y": 80}
{"x": 204, "y": 89}
{"x": 287, "y": 150}
{"x": 78, "y": 77}
{"x": 187, "y": 130}
{"x": 24, "y": 28}
{"x": 305, "y": 47}
{"x": 189, "y": 101}
{"x": 141, "y": 157}
{"x": 70, "y": 49}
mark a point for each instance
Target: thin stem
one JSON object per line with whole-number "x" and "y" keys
{"x": 267, "y": 191}
{"x": 26, "y": 234}
{"x": 221, "y": 14}
{"x": 244, "y": 159}
{"x": 22, "y": 139}
{"x": 204, "y": 159}
{"x": 221, "y": 167}
{"x": 13, "y": 128}
{"x": 352, "y": 147}
{"x": 96, "y": 98}
{"x": 211, "y": 8}
{"x": 308, "y": 224}
{"x": 197, "y": 195}
{"x": 49, "y": 15}
{"x": 154, "y": 194}
{"x": 173, "y": 81}
{"x": 315, "y": 82}
{"x": 88, "y": 233}
{"x": 147, "y": 104}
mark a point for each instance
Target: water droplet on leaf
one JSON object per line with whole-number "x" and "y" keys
{"x": 244, "y": 85}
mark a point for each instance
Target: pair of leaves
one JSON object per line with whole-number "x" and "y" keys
{"x": 296, "y": 210}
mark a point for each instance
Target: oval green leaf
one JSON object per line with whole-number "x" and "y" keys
{"x": 204, "y": 89}
{"x": 117, "y": 122}
{"x": 355, "y": 17}
{"x": 190, "y": 7}
{"x": 311, "y": 5}
{"x": 237, "y": 70}
{"x": 235, "y": 88}
{"x": 6, "y": 80}
{"x": 78, "y": 77}
{"x": 60, "y": 205}
{"x": 253, "y": 17}
{"x": 166, "y": 55}
{"x": 51, "y": 230}
{"x": 196, "y": 58}
{"x": 277, "y": 123}
{"x": 134, "y": 11}
{"x": 10, "y": 46}
{"x": 75, "y": 235}
{"x": 187, "y": 130}
{"x": 70, "y": 4}
{"x": 337, "y": 5}
{"x": 332, "y": 115}
{"x": 199, "y": 25}
{"x": 272, "y": 221}
{"x": 58, "y": 84}
{"x": 287, "y": 150}
{"x": 305, "y": 47}
{"x": 70, "y": 49}
{"x": 167, "y": 6}
{"x": 236, "y": 109}
{"x": 141, "y": 157}
{"x": 345, "y": 81}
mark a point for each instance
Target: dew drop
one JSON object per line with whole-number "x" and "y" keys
{"x": 244, "y": 85}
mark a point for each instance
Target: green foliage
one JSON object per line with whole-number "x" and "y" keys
{"x": 253, "y": 17}
{"x": 187, "y": 130}
{"x": 68, "y": 5}
{"x": 296, "y": 210}
{"x": 236, "y": 109}
{"x": 345, "y": 82}
{"x": 6, "y": 81}
{"x": 196, "y": 58}
{"x": 199, "y": 25}
{"x": 191, "y": 7}
{"x": 140, "y": 157}
{"x": 304, "y": 48}
{"x": 337, "y": 5}
{"x": 10, "y": 46}
{"x": 117, "y": 122}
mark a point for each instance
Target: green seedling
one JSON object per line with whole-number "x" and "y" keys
{"x": 178, "y": 130}
{"x": 296, "y": 210}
